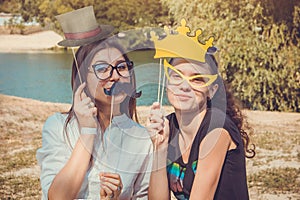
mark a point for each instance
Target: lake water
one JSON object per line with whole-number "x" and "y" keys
{"x": 46, "y": 77}
{"x": 4, "y": 19}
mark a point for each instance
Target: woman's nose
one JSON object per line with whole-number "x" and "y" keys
{"x": 114, "y": 76}
{"x": 185, "y": 85}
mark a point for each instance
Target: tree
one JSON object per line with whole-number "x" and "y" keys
{"x": 258, "y": 48}
{"x": 123, "y": 14}
{"x": 7, "y": 6}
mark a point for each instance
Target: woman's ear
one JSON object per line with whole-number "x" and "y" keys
{"x": 212, "y": 90}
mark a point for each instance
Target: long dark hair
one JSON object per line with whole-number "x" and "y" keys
{"x": 84, "y": 56}
{"x": 224, "y": 96}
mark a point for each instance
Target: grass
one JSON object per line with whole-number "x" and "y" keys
{"x": 19, "y": 187}
{"x": 23, "y": 159}
{"x": 21, "y": 122}
{"x": 277, "y": 141}
{"x": 276, "y": 180}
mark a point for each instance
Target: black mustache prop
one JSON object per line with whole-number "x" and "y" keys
{"x": 120, "y": 87}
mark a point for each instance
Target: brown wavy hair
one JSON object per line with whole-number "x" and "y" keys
{"x": 84, "y": 56}
{"x": 225, "y": 100}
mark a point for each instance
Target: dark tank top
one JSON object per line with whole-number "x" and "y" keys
{"x": 232, "y": 184}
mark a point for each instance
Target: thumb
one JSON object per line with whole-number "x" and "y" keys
{"x": 77, "y": 94}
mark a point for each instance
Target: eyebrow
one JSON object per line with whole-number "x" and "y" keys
{"x": 103, "y": 61}
{"x": 193, "y": 74}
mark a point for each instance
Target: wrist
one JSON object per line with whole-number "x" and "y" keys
{"x": 159, "y": 159}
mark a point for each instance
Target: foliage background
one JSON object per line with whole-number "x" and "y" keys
{"x": 258, "y": 40}
{"x": 259, "y": 47}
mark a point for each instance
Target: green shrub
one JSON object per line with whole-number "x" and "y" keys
{"x": 259, "y": 56}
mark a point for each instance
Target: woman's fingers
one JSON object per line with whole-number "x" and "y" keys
{"x": 156, "y": 114}
{"x": 87, "y": 102}
{"x": 110, "y": 175}
{"x": 111, "y": 184}
{"x": 106, "y": 191}
{"x": 155, "y": 111}
{"x": 155, "y": 128}
{"x": 155, "y": 106}
{"x": 84, "y": 108}
{"x": 156, "y": 117}
{"x": 112, "y": 178}
{"x": 113, "y": 181}
{"x": 81, "y": 98}
{"x": 157, "y": 125}
{"x": 94, "y": 111}
{"x": 82, "y": 94}
{"x": 77, "y": 95}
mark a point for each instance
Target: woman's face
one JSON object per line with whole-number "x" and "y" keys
{"x": 184, "y": 92}
{"x": 96, "y": 86}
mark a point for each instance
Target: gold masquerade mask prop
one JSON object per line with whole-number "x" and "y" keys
{"x": 199, "y": 81}
{"x": 179, "y": 44}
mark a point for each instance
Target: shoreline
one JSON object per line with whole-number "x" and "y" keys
{"x": 12, "y": 97}
{"x": 43, "y": 41}
{"x": 252, "y": 115}
{"x": 30, "y": 51}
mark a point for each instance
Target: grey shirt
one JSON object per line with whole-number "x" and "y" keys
{"x": 126, "y": 149}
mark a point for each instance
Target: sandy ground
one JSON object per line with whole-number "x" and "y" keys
{"x": 26, "y": 43}
{"x": 21, "y": 122}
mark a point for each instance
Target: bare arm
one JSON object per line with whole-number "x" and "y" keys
{"x": 212, "y": 153}
{"x": 158, "y": 128}
{"x": 68, "y": 181}
{"x": 158, "y": 187}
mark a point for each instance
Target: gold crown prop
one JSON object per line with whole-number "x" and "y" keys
{"x": 181, "y": 44}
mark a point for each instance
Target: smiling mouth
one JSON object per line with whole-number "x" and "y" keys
{"x": 109, "y": 91}
{"x": 182, "y": 97}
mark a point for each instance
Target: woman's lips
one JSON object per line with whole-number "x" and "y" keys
{"x": 183, "y": 97}
{"x": 107, "y": 91}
